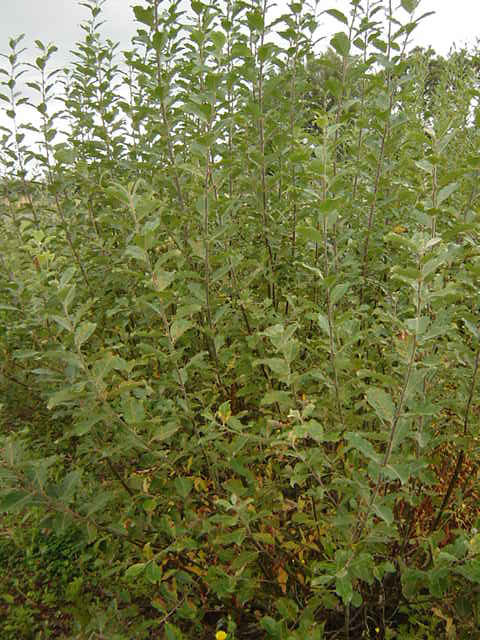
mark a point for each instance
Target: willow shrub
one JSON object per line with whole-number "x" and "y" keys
{"x": 239, "y": 298}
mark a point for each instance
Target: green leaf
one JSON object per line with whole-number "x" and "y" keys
{"x": 153, "y": 573}
{"x": 409, "y": 275}
{"x": 67, "y": 395}
{"x": 219, "y": 273}
{"x": 338, "y": 15}
{"x": 178, "y": 328}
{"x": 99, "y": 502}
{"x": 219, "y": 39}
{"x": 204, "y": 113}
{"x": 446, "y": 192}
{"x": 69, "y": 485}
{"x": 134, "y": 570}
{"x": 23, "y": 354}
{"x": 13, "y": 500}
{"x": 323, "y": 322}
{"x": 341, "y": 44}
{"x": 83, "y": 427}
{"x": 272, "y": 627}
{"x": 413, "y": 580}
{"x": 363, "y": 567}
{"x": 438, "y": 581}
{"x": 266, "y": 51}
{"x": 264, "y": 538}
{"x": 272, "y": 397}
{"x": 445, "y": 139}
{"x": 329, "y": 205}
{"x": 403, "y": 429}
{"x": 287, "y": 608}
{"x": 425, "y": 165}
{"x": 398, "y": 472}
{"x": 164, "y": 431}
{"x": 183, "y": 486}
{"x": 198, "y": 7}
{"x": 277, "y": 365}
{"x": 63, "y": 322}
{"x": 172, "y": 632}
{"x": 163, "y": 279}
{"x": 471, "y": 571}
{"x": 9, "y": 599}
{"x": 410, "y": 5}
{"x": 240, "y": 50}
{"x": 145, "y": 16}
{"x": 383, "y": 511}
{"x": 432, "y": 265}
{"x": 70, "y": 295}
{"x": 66, "y": 277}
{"x": 109, "y": 362}
{"x": 83, "y": 333}
{"x": 233, "y": 537}
{"x": 311, "y": 429}
{"x": 382, "y": 404}
{"x": 344, "y": 587}
{"x": 417, "y": 326}
{"x": 314, "y": 270}
{"x": 364, "y": 446}
{"x": 67, "y": 356}
{"x": 338, "y": 292}
{"x": 311, "y": 234}
{"x": 472, "y": 329}
{"x": 137, "y": 253}
{"x": 133, "y": 411}
{"x": 255, "y": 20}
{"x": 158, "y": 40}
{"x": 317, "y": 165}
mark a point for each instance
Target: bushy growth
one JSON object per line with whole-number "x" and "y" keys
{"x": 239, "y": 329}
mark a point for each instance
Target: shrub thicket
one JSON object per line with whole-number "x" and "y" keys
{"x": 239, "y": 330}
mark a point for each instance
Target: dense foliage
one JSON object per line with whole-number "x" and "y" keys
{"x": 239, "y": 330}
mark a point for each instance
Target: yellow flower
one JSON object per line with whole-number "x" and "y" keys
{"x": 220, "y": 635}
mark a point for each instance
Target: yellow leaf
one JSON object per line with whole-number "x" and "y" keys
{"x": 196, "y": 570}
{"x": 399, "y": 229}
{"x": 282, "y": 577}
{"x": 199, "y": 484}
{"x": 224, "y": 412}
{"x": 147, "y": 550}
{"x": 159, "y": 604}
{"x": 450, "y": 630}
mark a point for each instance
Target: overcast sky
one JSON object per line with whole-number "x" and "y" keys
{"x": 58, "y": 21}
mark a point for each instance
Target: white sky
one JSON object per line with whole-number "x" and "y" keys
{"x": 455, "y": 21}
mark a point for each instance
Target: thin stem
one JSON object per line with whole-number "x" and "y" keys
{"x": 71, "y": 245}
{"x": 461, "y": 456}
{"x": 396, "y": 418}
{"x": 166, "y": 123}
{"x": 379, "y": 168}
{"x": 263, "y": 178}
